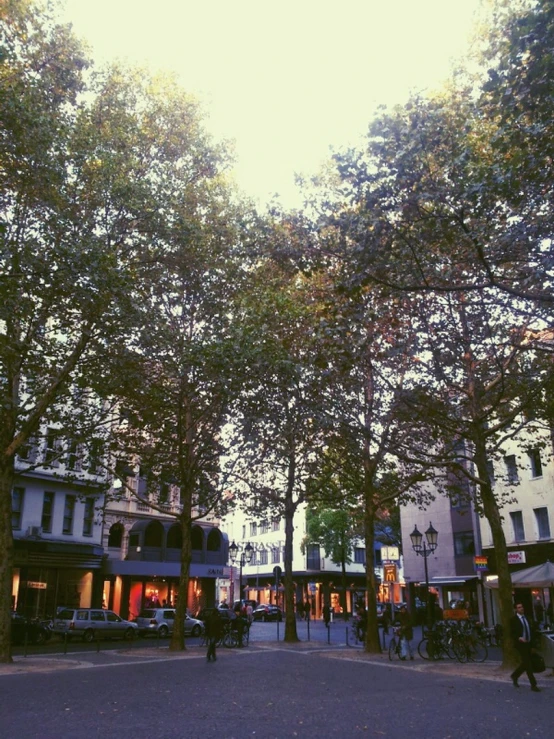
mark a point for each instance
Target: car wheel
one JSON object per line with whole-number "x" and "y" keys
{"x": 129, "y": 634}
{"x": 88, "y": 636}
{"x": 196, "y": 630}
{"x": 163, "y": 631}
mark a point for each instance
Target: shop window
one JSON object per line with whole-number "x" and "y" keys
{"x": 18, "y": 494}
{"x": 543, "y": 524}
{"x": 68, "y": 514}
{"x": 47, "y": 512}
{"x": 517, "y": 525}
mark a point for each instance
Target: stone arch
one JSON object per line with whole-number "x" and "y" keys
{"x": 115, "y": 535}
{"x": 197, "y": 538}
{"x": 153, "y": 534}
{"x": 214, "y": 541}
{"x": 175, "y": 537}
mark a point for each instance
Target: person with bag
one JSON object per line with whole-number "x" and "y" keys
{"x": 520, "y": 629}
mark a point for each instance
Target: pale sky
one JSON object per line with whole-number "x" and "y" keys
{"x": 284, "y": 80}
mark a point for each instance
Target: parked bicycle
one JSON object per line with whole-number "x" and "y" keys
{"x": 395, "y": 645}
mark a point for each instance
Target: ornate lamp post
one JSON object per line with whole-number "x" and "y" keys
{"x": 244, "y": 558}
{"x": 424, "y": 549}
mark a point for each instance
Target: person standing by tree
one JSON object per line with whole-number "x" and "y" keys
{"x": 326, "y": 614}
{"x": 214, "y": 627}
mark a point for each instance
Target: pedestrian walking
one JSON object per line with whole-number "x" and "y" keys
{"x": 520, "y": 629}
{"x": 214, "y": 630}
{"x": 327, "y": 615}
{"x": 307, "y": 610}
{"x": 406, "y": 633}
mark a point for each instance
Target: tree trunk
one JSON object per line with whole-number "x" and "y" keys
{"x": 372, "y": 643}
{"x": 177, "y": 643}
{"x": 291, "y": 635}
{"x": 491, "y": 510}
{"x": 344, "y": 600}
{"x": 6, "y": 560}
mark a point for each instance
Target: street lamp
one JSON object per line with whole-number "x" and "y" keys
{"x": 424, "y": 549}
{"x": 244, "y": 559}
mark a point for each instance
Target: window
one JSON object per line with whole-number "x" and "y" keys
{"x": 115, "y": 537}
{"x": 47, "y": 512}
{"x": 73, "y": 458}
{"x": 28, "y": 451}
{"x": 94, "y": 456}
{"x": 275, "y": 555}
{"x": 378, "y": 560}
{"x": 88, "y": 518}
{"x": 264, "y": 527}
{"x": 17, "y": 507}
{"x": 535, "y": 461}
{"x": 464, "y": 543}
{"x": 517, "y": 525}
{"x": 68, "y": 514}
{"x": 511, "y": 469}
{"x": 313, "y": 557}
{"x": 253, "y": 529}
{"x": 543, "y": 524}
{"x": 263, "y": 557}
{"x": 53, "y": 448}
{"x": 244, "y": 531}
{"x": 359, "y": 555}
{"x": 275, "y": 524}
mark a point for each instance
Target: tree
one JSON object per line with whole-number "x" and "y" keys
{"x": 336, "y": 531}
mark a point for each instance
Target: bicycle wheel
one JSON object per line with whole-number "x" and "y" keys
{"x": 394, "y": 649}
{"x": 426, "y": 649}
{"x": 459, "y": 648}
{"x": 477, "y": 651}
{"x": 230, "y": 640}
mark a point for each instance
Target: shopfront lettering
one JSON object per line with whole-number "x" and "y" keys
{"x": 217, "y": 571}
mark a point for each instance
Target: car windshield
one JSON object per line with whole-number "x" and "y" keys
{"x": 67, "y": 614}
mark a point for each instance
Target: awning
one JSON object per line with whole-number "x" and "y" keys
{"x": 454, "y": 580}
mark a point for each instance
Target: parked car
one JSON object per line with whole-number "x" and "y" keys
{"x": 30, "y": 630}
{"x": 245, "y": 602}
{"x": 88, "y": 623}
{"x": 226, "y": 614}
{"x": 160, "y": 621}
{"x": 265, "y": 612}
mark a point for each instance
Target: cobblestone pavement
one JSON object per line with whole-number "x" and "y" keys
{"x": 489, "y": 670}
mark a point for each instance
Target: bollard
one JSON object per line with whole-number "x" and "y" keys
{"x": 308, "y": 628}
{"x": 346, "y": 632}
{"x": 97, "y": 642}
{"x": 25, "y": 642}
{"x": 65, "y": 642}
{"x": 328, "y": 634}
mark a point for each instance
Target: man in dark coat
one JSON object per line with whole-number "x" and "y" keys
{"x": 520, "y": 629}
{"x": 214, "y": 630}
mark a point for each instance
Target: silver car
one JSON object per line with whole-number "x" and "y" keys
{"x": 91, "y": 623}
{"x": 160, "y": 621}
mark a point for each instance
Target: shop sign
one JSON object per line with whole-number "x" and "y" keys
{"x": 516, "y": 558}
{"x": 390, "y": 554}
{"x": 37, "y": 585}
{"x": 481, "y": 564}
{"x": 390, "y": 573}
{"x": 217, "y": 571}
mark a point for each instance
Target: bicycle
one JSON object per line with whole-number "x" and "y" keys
{"x": 440, "y": 642}
{"x": 395, "y": 645}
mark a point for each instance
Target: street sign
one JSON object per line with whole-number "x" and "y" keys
{"x": 390, "y": 553}
{"x": 277, "y": 572}
{"x": 390, "y": 573}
